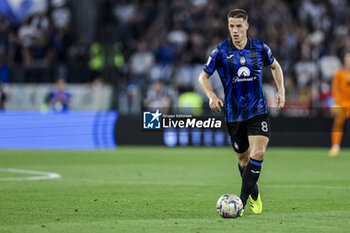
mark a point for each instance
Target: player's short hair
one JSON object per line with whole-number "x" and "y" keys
{"x": 238, "y": 13}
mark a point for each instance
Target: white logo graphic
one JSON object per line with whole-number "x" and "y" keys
{"x": 243, "y": 72}
{"x": 156, "y": 115}
{"x": 235, "y": 145}
{"x": 151, "y": 120}
{"x": 228, "y": 57}
{"x": 157, "y": 120}
{"x": 255, "y": 172}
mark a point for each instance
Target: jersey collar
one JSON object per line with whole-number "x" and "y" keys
{"x": 233, "y": 47}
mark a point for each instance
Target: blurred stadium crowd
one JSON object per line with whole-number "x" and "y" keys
{"x": 152, "y": 51}
{"x": 34, "y": 40}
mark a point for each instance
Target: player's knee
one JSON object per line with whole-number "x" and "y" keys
{"x": 241, "y": 147}
{"x": 258, "y": 154}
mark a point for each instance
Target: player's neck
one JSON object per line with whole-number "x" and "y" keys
{"x": 241, "y": 44}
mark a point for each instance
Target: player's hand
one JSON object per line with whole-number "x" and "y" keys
{"x": 280, "y": 99}
{"x": 214, "y": 104}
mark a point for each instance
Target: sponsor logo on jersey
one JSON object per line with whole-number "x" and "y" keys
{"x": 243, "y": 71}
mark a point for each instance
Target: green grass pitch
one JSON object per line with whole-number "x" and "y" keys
{"x": 158, "y": 189}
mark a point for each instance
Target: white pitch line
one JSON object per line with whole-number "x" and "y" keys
{"x": 307, "y": 186}
{"x": 42, "y": 175}
{"x": 207, "y": 184}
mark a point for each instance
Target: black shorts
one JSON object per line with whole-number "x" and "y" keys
{"x": 239, "y": 131}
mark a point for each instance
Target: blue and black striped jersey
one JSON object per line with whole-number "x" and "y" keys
{"x": 240, "y": 74}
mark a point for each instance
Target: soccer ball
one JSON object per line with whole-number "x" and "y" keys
{"x": 229, "y": 206}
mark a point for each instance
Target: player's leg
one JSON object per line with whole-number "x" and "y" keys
{"x": 337, "y": 131}
{"x": 255, "y": 201}
{"x": 239, "y": 139}
{"x": 252, "y": 171}
{"x": 240, "y": 143}
{"x": 243, "y": 160}
{"x": 258, "y": 129}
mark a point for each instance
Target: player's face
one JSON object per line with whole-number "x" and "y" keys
{"x": 60, "y": 85}
{"x": 238, "y": 29}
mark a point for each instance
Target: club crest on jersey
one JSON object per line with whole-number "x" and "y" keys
{"x": 242, "y": 60}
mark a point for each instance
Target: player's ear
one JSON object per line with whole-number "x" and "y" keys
{"x": 247, "y": 25}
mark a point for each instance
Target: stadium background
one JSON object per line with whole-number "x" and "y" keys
{"x": 119, "y": 58}
{"x": 130, "y": 56}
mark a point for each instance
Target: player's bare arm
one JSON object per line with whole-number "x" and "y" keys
{"x": 214, "y": 101}
{"x": 278, "y": 77}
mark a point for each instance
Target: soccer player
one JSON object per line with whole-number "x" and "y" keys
{"x": 238, "y": 61}
{"x": 341, "y": 109}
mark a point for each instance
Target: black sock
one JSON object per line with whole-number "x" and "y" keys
{"x": 241, "y": 169}
{"x": 250, "y": 177}
{"x": 255, "y": 192}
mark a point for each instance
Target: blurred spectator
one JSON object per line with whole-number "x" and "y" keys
{"x": 161, "y": 72}
{"x": 178, "y": 36}
{"x": 329, "y": 64}
{"x": 129, "y": 98}
{"x": 60, "y": 37}
{"x": 183, "y": 77}
{"x": 305, "y": 69}
{"x": 33, "y": 35}
{"x": 190, "y": 102}
{"x": 166, "y": 53}
{"x": 59, "y": 98}
{"x": 4, "y": 69}
{"x": 79, "y": 53}
{"x": 291, "y": 89}
{"x": 3, "y": 35}
{"x": 326, "y": 98}
{"x": 38, "y": 7}
{"x": 159, "y": 96}
{"x": 15, "y": 51}
{"x": 118, "y": 56}
{"x": 37, "y": 40}
{"x": 141, "y": 62}
{"x": 270, "y": 93}
{"x": 97, "y": 58}
{"x": 61, "y": 14}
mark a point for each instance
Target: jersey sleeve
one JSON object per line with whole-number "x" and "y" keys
{"x": 267, "y": 55}
{"x": 212, "y": 62}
